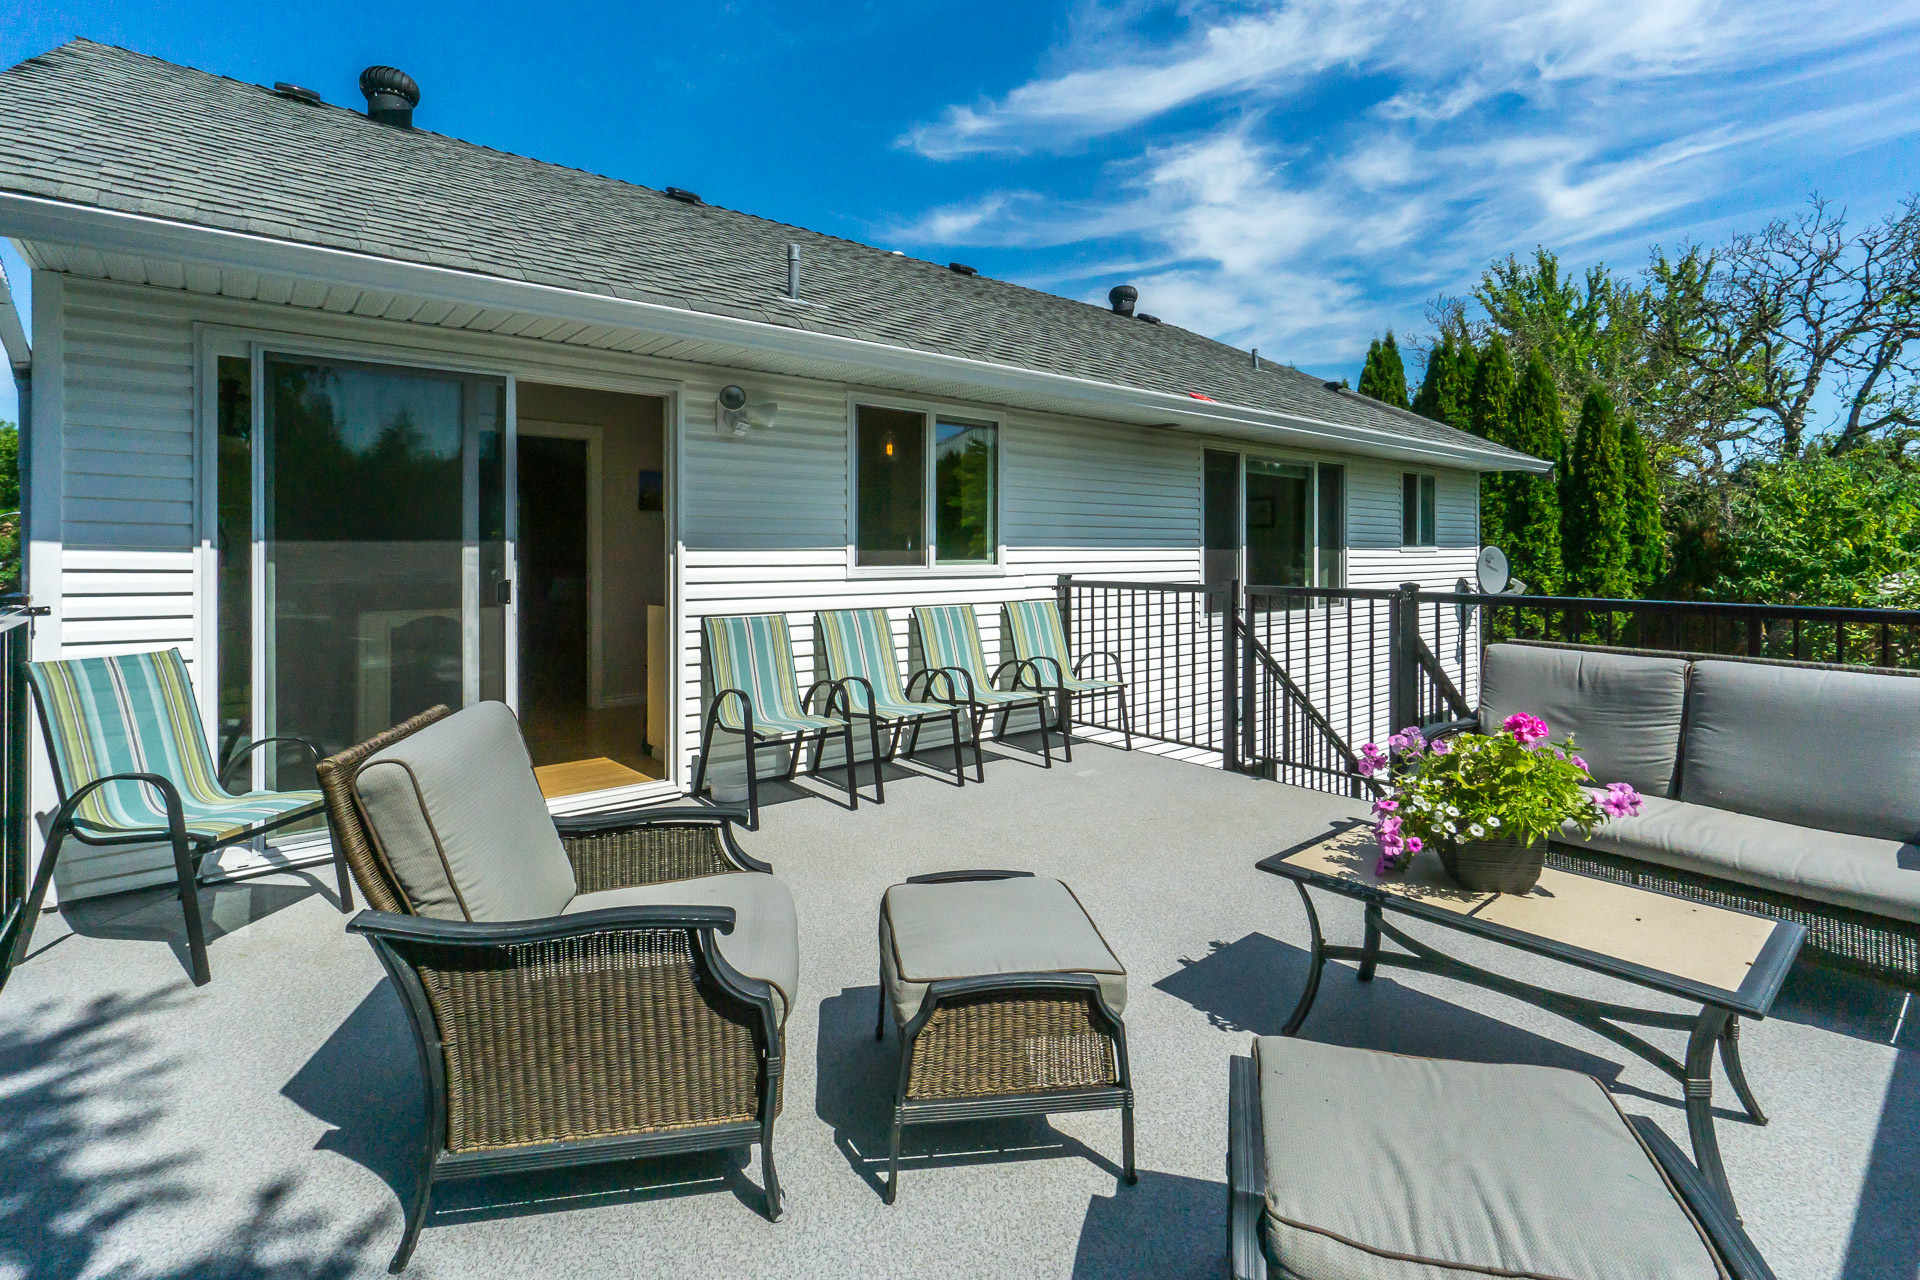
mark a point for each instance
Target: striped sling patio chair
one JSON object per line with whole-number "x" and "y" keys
{"x": 949, "y": 637}
{"x": 1034, "y": 633}
{"x": 750, "y": 689}
{"x": 131, "y": 765}
{"x": 861, "y": 662}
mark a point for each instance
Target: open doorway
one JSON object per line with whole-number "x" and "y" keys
{"x": 591, "y": 581}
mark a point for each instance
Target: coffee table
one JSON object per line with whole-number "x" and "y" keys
{"x": 1730, "y": 963}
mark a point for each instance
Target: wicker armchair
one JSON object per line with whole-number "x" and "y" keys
{"x": 617, "y": 1027}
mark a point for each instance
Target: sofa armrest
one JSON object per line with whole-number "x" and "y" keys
{"x": 652, "y": 846}
{"x": 1246, "y": 1172}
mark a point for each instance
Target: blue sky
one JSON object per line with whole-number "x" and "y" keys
{"x": 1295, "y": 176}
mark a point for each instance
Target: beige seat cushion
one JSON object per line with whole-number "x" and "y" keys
{"x": 765, "y": 942}
{"x": 457, "y": 814}
{"x": 1878, "y": 876}
{"x": 973, "y": 928}
{"x": 1382, "y": 1167}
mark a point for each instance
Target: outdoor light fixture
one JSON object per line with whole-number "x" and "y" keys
{"x": 732, "y": 415}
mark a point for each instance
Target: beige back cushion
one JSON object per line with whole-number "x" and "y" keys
{"x": 457, "y": 814}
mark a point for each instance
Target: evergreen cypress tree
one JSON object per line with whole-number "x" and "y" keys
{"x": 1385, "y": 376}
{"x": 1455, "y": 393}
{"x": 1533, "y": 510}
{"x": 1646, "y": 534}
{"x": 1490, "y": 416}
{"x": 1426, "y": 401}
{"x": 1594, "y": 543}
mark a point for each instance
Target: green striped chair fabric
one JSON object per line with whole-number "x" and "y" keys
{"x": 135, "y": 714}
{"x": 950, "y": 637}
{"x": 859, "y": 642}
{"x": 1033, "y": 628}
{"x": 754, "y": 653}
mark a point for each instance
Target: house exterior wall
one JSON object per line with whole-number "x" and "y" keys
{"x": 756, "y": 524}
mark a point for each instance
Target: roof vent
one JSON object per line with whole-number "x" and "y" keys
{"x": 1149, "y": 319}
{"x": 296, "y": 92}
{"x": 681, "y": 194}
{"x": 391, "y": 95}
{"x": 1122, "y": 297}
{"x": 961, "y": 269}
{"x": 1340, "y": 385}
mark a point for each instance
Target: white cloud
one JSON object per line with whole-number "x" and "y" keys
{"x": 1290, "y": 174}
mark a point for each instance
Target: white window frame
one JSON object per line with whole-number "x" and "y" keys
{"x": 931, "y": 411}
{"x": 1422, "y": 479}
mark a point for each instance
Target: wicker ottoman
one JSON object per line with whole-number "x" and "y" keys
{"x": 1006, "y": 1000}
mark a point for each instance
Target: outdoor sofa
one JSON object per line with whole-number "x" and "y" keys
{"x": 1789, "y": 789}
{"x": 603, "y": 987}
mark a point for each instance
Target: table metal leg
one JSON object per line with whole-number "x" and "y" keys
{"x": 1730, "y": 1058}
{"x": 1370, "y": 952}
{"x": 1708, "y": 1031}
{"x": 1316, "y": 961}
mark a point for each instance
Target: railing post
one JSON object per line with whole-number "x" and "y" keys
{"x": 1063, "y": 594}
{"x": 1403, "y": 668}
{"x": 1230, "y": 661}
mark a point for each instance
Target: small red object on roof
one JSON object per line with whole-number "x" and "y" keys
{"x": 1197, "y": 396}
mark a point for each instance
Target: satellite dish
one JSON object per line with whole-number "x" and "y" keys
{"x": 1492, "y": 571}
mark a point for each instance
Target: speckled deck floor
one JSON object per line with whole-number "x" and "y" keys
{"x": 262, "y": 1126}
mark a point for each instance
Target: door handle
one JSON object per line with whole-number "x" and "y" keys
{"x": 503, "y": 591}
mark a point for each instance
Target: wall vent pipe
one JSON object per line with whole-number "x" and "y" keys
{"x": 793, "y": 271}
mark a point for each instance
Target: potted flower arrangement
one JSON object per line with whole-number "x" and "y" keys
{"x": 1486, "y": 803}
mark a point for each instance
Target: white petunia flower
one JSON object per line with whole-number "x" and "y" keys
{"x": 1494, "y": 823}
{"x": 1476, "y": 831}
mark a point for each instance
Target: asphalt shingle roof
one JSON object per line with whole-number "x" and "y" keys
{"x": 91, "y": 124}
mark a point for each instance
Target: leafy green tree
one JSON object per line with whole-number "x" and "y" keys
{"x": 9, "y": 507}
{"x": 1533, "y": 501}
{"x": 1490, "y": 416}
{"x": 1646, "y": 533}
{"x": 1385, "y": 375}
{"x": 1824, "y": 529}
{"x": 1594, "y": 543}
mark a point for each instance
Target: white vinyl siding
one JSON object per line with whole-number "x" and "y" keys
{"x": 763, "y": 520}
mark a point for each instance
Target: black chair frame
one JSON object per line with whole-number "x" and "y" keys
{"x": 755, "y": 739}
{"x": 897, "y": 726}
{"x": 1064, "y": 697}
{"x": 959, "y": 678}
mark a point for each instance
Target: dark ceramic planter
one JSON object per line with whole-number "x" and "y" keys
{"x": 1508, "y": 865}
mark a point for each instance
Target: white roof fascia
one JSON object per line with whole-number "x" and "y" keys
{"x": 109, "y": 231}
{"x": 13, "y": 336}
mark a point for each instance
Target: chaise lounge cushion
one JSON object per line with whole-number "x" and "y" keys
{"x": 1834, "y": 750}
{"x": 1382, "y": 1167}
{"x": 973, "y": 928}
{"x": 458, "y": 816}
{"x": 1623, "y": 710}
{"x": 765, "y": 942}
{"x": 1881, "y": 877}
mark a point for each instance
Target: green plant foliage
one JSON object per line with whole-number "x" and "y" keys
{"x": 9, "y": 507}
{"x": 1385, "y": 376}
{"x": 1490, "y": 787}
{"x": 1533, "y": 501}
{"x": 1490, "y": 415}
{"x": 1646, "y": 533}
{"x": 1826, "y": 530}
{"x": 1446, "y": 391}
{"x": 1594, "y": 544}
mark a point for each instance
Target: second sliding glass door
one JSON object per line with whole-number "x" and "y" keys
{"x": 381, "y": 527}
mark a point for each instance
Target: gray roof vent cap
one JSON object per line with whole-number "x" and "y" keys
{"x": 1122, "y": 297}
{"x": 391, "y": 95}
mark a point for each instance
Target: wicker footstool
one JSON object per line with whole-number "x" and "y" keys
{"x": 1007, "y": 1002}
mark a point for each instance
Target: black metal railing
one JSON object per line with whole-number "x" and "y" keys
{"x": 1171, "y": 641}
{"x": 1315, "y": 672}
{"x": 16, "y": 617}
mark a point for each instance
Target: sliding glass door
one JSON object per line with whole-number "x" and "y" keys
{"x": 379, "y": 565}
{"x": 1272, "y": 523}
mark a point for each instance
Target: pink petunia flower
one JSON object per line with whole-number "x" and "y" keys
{"x": 1384, "y": 806}
{"x": 1580, "y": 764}
{"x": 1619, "y": 800}
{"x": 1440, "y": 747}
{"x": 1372, "y": 760}
{"x": 1526, "y": 729}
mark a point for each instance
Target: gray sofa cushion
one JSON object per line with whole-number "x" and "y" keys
{"x": 1838, "y": 750}
{"x": 1881, "y": 877}
{"x": 1382, "y": 1167}
{"x": 765, "y": 942}
{"x": 1623, "y": 710}
{"x": 460, "y": 819}
{"x": 972, "y": 928}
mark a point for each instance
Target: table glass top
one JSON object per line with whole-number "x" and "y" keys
{"x": 1709, "y": 945}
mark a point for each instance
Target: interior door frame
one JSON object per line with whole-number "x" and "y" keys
{"x": 593, "y": 434}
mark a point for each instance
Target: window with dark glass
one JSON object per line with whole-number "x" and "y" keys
{"x": 1418, "y": 510}
{"x": 890, "y": 451}
{"x": 234, "y": 548}
{"x": 1272, "y": 523}
{"x": 965, "y": 476}
{"x": 1331, "y": 542}
{"x": 1220, "y": 517}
